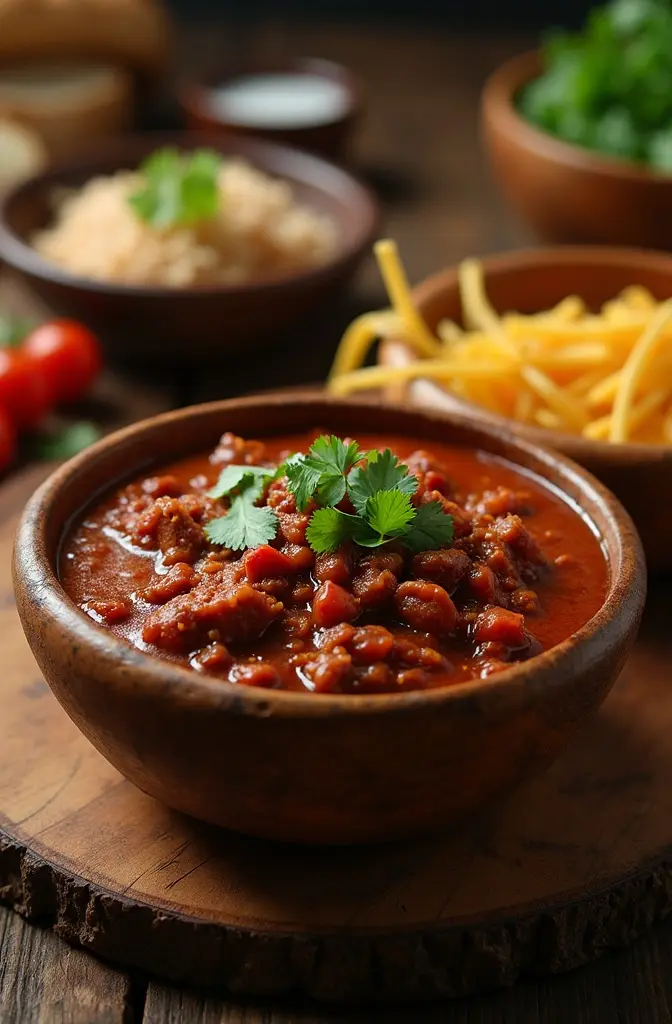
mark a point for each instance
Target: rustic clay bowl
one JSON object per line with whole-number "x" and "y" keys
{"x": 564, "y": 192}
{"x": 301, "y": 767}
{"x": 176, "y": 325}
{"x": 330, "y": 138}
{"x": 532, "y": 280}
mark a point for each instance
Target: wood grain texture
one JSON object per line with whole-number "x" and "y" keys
{"x": 44, "y": 981}
{"x": 633, "y": 986}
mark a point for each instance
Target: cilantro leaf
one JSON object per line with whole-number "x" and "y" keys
{"x": 331, "y": 489}
{"x": 245, "y": 525}
{"x": 388, "y": 513}
{"x": 302, "y": 479}
{"x": 329, "y": 528}
{"x": 329, "y": 452}
{"x": 430, "y": 529}
{"x": 321, "y": 473}
{"x": 382, "y": 473}
{"x": 250, "y": 479}
{"x": 200, "y": 188}
{"x": 178, "y": 188}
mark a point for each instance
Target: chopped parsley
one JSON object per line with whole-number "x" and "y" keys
{"x": 178, "y": 188}
{"x": 376, "y": 485}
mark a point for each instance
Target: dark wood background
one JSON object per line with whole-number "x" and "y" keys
{"x": 457, "y": 13}
{"x": 419, "y": 146}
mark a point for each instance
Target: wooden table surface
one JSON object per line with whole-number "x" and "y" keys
{"x": 419, "y": 147}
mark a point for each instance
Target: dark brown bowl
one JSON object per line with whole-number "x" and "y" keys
{"x": 564, "y": 192}
{"x": 535, "y": 279}
{"x": 176, "y": 325}
{"x": 301, "y": 767}
{"x": 330, "y": 138}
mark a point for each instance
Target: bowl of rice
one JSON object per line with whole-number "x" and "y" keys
{"x": 187, "y": 246}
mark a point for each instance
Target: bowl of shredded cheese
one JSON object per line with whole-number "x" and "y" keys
{"x": 570, "y": 346}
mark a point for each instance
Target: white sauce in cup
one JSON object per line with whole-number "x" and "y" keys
{"x": 279, "y": 100}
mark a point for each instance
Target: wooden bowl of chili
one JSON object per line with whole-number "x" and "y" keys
{"x": 317, "y": 689}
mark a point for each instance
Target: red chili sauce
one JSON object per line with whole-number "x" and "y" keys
{"x": 524, "y": 571}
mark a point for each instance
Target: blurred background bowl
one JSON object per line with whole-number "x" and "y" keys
{"x": 326, "y": 129}
{"x": 532, "y": 280}
{"x": 566, "y": 193}
{"x": 180, "y": 325}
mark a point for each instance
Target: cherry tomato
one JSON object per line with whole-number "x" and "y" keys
{"x": 69, "y": 356}
{"x": 24, "y": 393}
{"x": 7, "y": 440}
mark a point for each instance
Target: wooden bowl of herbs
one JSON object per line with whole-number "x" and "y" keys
{"x": 177, "y": 247}
{"x": 578, "y": 133}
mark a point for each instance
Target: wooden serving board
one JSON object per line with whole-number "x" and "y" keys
{"x": 575, "y": 864}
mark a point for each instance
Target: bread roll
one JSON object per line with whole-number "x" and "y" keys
{"x": 67, "y": 105}
{"x": 22, "y": 154}
{"x": 133, "y": 33}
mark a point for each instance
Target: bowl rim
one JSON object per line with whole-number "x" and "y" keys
{"x": 193, "y": 91}
{"x": 520, "y": 259}
{"x": 626, "y": 584}
{"x": 498, "y": 106}
{"x": 20, "y": 255}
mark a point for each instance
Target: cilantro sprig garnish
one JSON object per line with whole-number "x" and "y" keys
{"x": 379, "y": 488}
{"x": 376, "y": 485}
{"x": 321, "y": 474}
{"x": 245, "y": 525}
{"x": 178, "y": 188}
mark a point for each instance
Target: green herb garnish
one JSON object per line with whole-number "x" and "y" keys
{"x": 178, "y": 188}
{"x": 378, "y": 487}
{"x": 431, "y": 528}
{"x": 382, "y": 472}
{"x": 329, "y": 528}
{"x": 13, "y": 330}
{"x": 321, "y": 474}
{"x": 609, "y": 87}
{"x": 245, "y": 525}
{"x": 238, "y": 479}
{"x": 65, "y": 442}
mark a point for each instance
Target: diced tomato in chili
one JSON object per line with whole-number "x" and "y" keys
{"x": 263, "y": 562}
{"x": 333, "y": 604}
{"x": 522, "y": 573}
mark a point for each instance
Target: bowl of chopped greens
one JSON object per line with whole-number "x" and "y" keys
{"x": 580, "y": 133}
{"x": 185, "y": 246}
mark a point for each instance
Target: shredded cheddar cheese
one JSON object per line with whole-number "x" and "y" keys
{"x": 606, "y": 375}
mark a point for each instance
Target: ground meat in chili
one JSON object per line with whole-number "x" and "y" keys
{"x": 523, "y": 572}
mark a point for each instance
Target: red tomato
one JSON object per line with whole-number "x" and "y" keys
{"x": 7, "y": 440}
{"x": 23, "y": 388}
{"x": 69, "y": 355}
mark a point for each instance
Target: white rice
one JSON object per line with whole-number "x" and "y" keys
{"x": 259, "y": 232}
